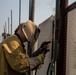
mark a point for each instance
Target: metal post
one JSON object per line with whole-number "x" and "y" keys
{"x": 29, "y": 48}
{"x": 8, "y": 25}
{"x": 11, "y": 22}
{"x": 19, "y": 11}
{"x": 57, "y": 28}
{"x": 31, "y": 17}
{"x": 31, "y": 9}
{"x": 5, "y": 28}
{"x": 61, "y": 60}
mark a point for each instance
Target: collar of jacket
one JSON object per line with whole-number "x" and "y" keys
{"x": 20, "y": 39}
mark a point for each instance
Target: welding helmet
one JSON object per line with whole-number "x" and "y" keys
{"x": 31, "y": 31}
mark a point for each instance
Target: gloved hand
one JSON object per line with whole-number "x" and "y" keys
{"x": 41, "y": 58}
{"x": 45, "y": 47}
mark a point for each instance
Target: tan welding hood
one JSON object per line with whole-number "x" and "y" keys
{"x": 31, "y": 31}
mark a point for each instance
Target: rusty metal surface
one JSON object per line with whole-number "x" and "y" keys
{"x": 71, "y": 7}
{"x": 61, "y": 62}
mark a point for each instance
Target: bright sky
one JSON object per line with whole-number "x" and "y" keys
{"x": 43, "y": 10}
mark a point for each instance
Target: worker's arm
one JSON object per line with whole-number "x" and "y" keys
{"x": 19, "y": 61}
{"x": 37, "y": 52}
{"x": 44, "y": 48}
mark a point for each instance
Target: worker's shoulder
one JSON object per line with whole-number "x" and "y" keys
{"x": 10, "y": 38}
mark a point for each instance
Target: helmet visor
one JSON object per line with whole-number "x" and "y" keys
{"x": 37, "y": 32}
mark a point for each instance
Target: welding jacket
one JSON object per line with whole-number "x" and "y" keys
{"x": 13, "y": 58}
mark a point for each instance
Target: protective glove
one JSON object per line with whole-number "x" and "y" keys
{"x": 45, "y": 47}
{"x": 40, "y": 66}
{"x": 45, "y": 43}
{"x": 41, "y": 58}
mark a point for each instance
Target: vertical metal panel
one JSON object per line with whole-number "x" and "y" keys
{"x": 71, "y": 43}
{"x": 70, "y": 10}
{"x": 45, "y": 35}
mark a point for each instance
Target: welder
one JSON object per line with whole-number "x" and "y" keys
{"x": 13, "y": 57}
